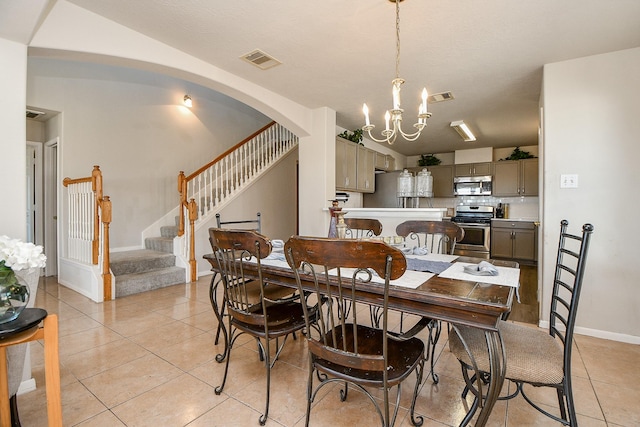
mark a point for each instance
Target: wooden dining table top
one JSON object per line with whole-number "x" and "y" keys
{"x": 463, "y": 302}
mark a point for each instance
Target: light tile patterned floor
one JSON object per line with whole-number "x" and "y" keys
{"x": 148, "y": 360}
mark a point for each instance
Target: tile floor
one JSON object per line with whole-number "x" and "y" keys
{"x": 148, "y": 360}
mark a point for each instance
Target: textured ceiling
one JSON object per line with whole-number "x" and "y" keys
{"x": 339, "y": 53}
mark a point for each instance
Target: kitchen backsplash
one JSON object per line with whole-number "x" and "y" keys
{"x": 519, "y": 207}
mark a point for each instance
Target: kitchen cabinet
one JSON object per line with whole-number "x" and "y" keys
{"x": 442, "y": 179}
{"x": 474, "y": 169}
{"x": 355, "y": 166}
{"x": 516, "y": 178}
{"x": 365, "y": 170}
{"x": 346, "y": 163}
{"x": 516, "y": 240}
{"x": 384, "y": 162}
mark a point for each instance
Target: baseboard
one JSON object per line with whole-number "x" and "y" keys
{"x": 596, "y": 333}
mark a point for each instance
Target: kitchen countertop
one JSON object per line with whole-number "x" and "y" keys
{"x": 516, "y": 219}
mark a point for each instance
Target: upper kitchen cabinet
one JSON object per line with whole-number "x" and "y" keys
{"x": 365, "y": 170}
{"x": 384, "y": 162}
{"x": 474, "y": 169}
{"x": 355, "y": 166}
{"x": 516, "y": 178}
{"x": 442, "y": 179}
{"x": 346, "y": 164}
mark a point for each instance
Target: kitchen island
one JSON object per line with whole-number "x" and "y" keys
{"x": 391, "y": 217}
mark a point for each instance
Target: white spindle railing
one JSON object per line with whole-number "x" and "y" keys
{"x": 216, "y": 183}
{"x": 81, "y": 208}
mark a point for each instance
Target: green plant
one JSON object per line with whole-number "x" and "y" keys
{"x": 428, "y": 160}
{"x": 355, "y": 136}
{"x": 518, "y": 154}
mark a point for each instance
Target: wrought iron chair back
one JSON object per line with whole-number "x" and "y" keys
{"x": 249, "y": 224}
{"x": 437, "y": 236}
{"x": 359, "y": 228}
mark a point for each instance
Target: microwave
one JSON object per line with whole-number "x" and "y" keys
{"x": 472, "y": 185}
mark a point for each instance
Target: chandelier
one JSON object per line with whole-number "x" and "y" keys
{"x": 393, "y": 117}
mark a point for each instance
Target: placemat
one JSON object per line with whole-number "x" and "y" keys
{"x": 507, "y": 276}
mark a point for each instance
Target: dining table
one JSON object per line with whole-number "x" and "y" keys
{"x": 443, "y": 291}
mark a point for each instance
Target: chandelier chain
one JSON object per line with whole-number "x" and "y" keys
{"x": 397, "y": 39}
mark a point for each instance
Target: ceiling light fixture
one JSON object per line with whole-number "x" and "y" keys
{"x": 463, "y": 130}
{"x": 187, "y": 101}
{"x": 394, "y": 116}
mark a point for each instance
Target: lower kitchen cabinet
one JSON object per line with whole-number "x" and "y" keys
{"x": 516, "y": 240}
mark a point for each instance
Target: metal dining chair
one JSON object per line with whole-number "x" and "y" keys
{"x": 437, "y": 237}
{"x": 534, "y": 356}
{"x": 346, "y": 349}
{"x": 250, "y": 310}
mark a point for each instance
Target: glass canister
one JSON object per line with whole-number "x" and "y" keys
{"x": 424, "y": 184}
{"x": 406, "y": 184}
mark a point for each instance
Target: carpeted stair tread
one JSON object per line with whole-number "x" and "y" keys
{"x": 140, "y": 260}
{"x": 161, "y": 244}
{"x": 133, "y": 283}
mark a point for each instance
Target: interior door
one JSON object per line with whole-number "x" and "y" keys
{"x": 51, "y": 182}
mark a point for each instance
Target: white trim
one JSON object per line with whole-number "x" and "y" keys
{"x": 596, "y": 333}
{"x": 82, "y": 278}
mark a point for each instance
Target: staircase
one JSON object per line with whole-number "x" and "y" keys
{"x": 212, "y": 186}
{"x": 147, "y": 269}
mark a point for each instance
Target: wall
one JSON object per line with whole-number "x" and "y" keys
{"x": 591, "y": 128}
{"x": 133, "y": 125}
{"x": 13, "y": 222}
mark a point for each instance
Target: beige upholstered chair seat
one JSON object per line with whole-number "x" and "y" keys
{"x": 533, "y": 356}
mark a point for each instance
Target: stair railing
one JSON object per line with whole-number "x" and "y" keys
{"x": 88, "y": 224}
{"x": 205, "y": 190}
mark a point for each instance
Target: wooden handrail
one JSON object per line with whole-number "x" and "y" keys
{"x": 68, "y": 181}
{"x": 229, "y": 151}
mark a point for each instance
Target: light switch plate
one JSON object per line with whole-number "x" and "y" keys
{"x": 569, "y": 181}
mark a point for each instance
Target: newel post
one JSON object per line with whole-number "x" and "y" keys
{"x": 193, "y": 216}
{"x": 96, "y": 187}
{"x": 182, "y": 189}
{"x": 106, "y": 262}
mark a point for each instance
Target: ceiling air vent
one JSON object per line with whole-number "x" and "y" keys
{"x": 261, "y": 59}
{"x": 32, "y": 114}
{"x": 439, "y": 97}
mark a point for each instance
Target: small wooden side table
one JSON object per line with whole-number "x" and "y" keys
{"x": 22, "y": 330}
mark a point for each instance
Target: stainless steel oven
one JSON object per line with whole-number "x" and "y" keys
{"x": 476, "y": 223}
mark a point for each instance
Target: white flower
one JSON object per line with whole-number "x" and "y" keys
{"x": 21, "y": 255}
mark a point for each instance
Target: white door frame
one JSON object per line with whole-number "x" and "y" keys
{"x": 51, "y": 192}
